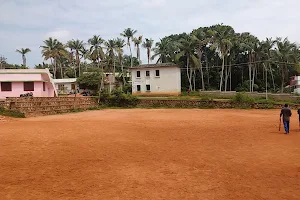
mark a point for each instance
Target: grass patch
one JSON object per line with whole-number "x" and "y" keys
{"x": 11, "y": 113}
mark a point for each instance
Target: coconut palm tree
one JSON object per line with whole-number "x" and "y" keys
{"x": 137, "y": 42}
{"x": 187, "y": 49}
{"x": 148, "y": 45}
{"x": 163, "y": 50}
{"x": 222, "y": 36}
{"x": 77, "y": 46}
{"x": 267, "y": 45}
{"x": 85, "y": 54}
{"x": 23, "y": 52}
{"x": 283, "y": 54}
{"x": 129, "y": 33}
{"x": 97, "y": 55}
{"x": 120, "y": 44}
{"x": 111, "y": 46}
{"x": 53, "y": 49}
{"x": 201, "y": 37}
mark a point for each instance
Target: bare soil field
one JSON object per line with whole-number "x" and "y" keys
{"x": 150, "y": 154}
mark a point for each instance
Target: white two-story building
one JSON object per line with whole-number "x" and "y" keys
{"x": 156, "y": 80}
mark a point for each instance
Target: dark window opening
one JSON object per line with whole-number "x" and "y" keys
{"x": 147, "y": 73}
{"x": 138, "y": 88}
{"x": 148, "y": 87}
{"x": 44, "y": 86}
{"x": 156, "y": 72}
{"x": 138, "y": 74}
{"x": 28, "y": 86}
{"x": 6, "y": 86}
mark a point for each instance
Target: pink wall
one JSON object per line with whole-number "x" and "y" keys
{"x": 17, "y": 77}
{"x": 18, "y": 88}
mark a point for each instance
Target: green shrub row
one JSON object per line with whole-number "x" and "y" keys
{"x": 118, "y": 99}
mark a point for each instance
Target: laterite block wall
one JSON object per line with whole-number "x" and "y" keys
{"x": 34, "y": 106}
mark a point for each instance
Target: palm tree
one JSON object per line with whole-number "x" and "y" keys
{"x": 111, "y": 46}
{"x": 129, "y": 33}
{"x": 222, "y": 43}
{"x": 201, "y": 38}
{"x": 97, "y": 54}
{"x": 163, "y": 49}
{"x": 85, "y": 54}
{"x": 266, "y": 51}
{"x": 187, "y": 47}
{"x": 76, "y": 45}
{"x": 284, "y": 53}
{"x": 137, "y": 42}
{"x": 148, "y": 45}
{"x": 53, "y": 49}
{"x": 23, "y": 52}
{"x": 120, "y": 44}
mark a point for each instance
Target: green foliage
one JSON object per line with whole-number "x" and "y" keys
{"x": 11, "y": 113}
{"x": 242, "y": 97}
{"x": 89, "y": 80}
{"x": 127, "y": 89}
{"x": 119, "y": 99}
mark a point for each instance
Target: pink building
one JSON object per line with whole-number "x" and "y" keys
{"x": 14, "y": 82}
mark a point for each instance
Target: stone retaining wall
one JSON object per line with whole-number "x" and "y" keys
{"x": 207, "y": 104}
{"x": 35, "y": 106}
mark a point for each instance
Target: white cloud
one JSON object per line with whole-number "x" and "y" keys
{"x": 62, "y": 35}
{"x": 26, "y": 23}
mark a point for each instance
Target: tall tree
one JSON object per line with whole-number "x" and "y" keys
{"x": 137, "y": 42}
{"x": 148, "y": 45}
{"x": 2, "y": 62}
{"x": 201, "y": 37}
{"x": 283, "y": 54}
{"x": 222, "y": 36}
{"x": 23, "y": 52}
{"x": 97, "y": 55}
{"x": 163, "y": 50}
{"x": 120, "y": 44}
{"x": 77, "y": 46}
{"x": 187, "y": 49}
{"x": 111, "y": 47}
{"x": 129, "y": 33}
{"x": 53, "y": 49}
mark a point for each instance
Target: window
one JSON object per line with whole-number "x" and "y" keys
{"x": 28, "y": 86}
{"x": 44, "y": 86}
{"x": 148, "y": 87}
{"x": 61, "y": 87}
{"x": 73, "y": 86}
{"x": 138, "y": 88}
{"x": 157, "y": 73}
{"x": 6, "y": 86}
{"x": 138, "y": 74}
{"x": 147, "y": 73}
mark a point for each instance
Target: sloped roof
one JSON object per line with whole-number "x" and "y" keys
{"x": 24, "y": 71}
{"x": 65, "y": 80}
{"x": 155, "y": 65}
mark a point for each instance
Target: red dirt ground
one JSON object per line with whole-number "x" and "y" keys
{"x": 150, "y": 154}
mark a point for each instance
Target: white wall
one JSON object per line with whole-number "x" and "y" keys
{"x": 169, "y": 80}
{"x": 67, "y": 86}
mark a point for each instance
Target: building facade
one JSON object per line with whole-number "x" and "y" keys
{"x": 156, "y": 80}
{"x": 66, "y": 85}
{"x": 15, "y": 82}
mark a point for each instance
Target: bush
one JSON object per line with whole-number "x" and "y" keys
{"x": 242, "y": 97}
{"x": 119, "y": 99}
{"x": 11, "y": 113}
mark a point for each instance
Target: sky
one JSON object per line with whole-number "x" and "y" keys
{"x": 26, "y": 23}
